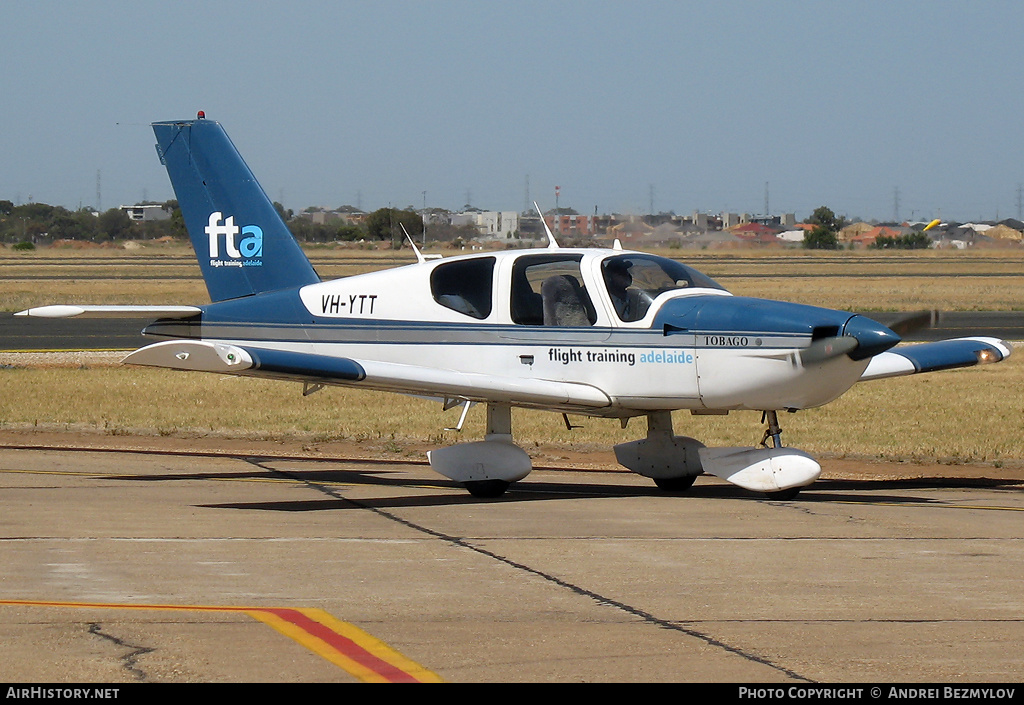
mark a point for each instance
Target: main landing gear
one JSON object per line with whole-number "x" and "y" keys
{"x": 672, "y": 461}
{"x": 485, "y": 468}
{"x": 774, "y": 432}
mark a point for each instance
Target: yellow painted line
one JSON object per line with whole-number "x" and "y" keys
{"x": 345, "y": 645}
{"x": 931, "y": 506}
{"x": 980, "y": 506}
{"x": 63, "y": 473}
{"x": 104, "y": 475}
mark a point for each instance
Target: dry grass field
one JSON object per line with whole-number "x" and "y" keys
{"x": 967, "y": 416}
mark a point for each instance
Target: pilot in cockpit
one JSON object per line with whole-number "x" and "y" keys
{"x": 618, "y": 279}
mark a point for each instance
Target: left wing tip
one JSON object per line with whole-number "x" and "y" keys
{"x": 58, "y": 311}
{"x": 939, "y": 355}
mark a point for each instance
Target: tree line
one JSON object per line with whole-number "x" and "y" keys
{"x": 33, "y": 223}
{"x": 36, "y": 222}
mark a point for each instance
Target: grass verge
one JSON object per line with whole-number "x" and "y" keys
{"x": 958, "y": 416}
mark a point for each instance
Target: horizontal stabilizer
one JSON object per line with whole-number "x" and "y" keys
{"x": 253, "y": 361}
{"x": 111, "y": 312}
{"x": 942, "y": 355}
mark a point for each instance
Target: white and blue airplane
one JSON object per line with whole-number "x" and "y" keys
{"x": 595, "y": 332}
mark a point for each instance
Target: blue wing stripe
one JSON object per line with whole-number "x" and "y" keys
{"x": 306, "y": 365}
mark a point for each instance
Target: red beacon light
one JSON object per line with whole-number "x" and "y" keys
{"x": 201, "y": 115}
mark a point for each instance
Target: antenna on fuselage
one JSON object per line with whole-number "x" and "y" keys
{"x": 419, "y": 257}
{"x": 552, "y": 243}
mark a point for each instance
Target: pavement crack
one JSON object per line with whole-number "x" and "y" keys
{"x": 631, "y": 610}
{"x": 130, "y": 659}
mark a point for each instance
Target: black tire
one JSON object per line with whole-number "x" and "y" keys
{"x": 784, "y": 495}
{"x": 487, "y": 489}
{"x": 675, "y": 484}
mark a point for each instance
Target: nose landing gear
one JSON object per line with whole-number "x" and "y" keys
{"x": 777, "y": 472}
{"x": 774, "y": 432}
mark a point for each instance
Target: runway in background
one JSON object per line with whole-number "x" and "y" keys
{"x": 20, "y": 333}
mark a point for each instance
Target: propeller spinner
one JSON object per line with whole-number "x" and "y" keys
{"x": 861, "y": 338}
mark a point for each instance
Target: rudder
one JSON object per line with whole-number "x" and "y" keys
{"x": 240, "y": 240}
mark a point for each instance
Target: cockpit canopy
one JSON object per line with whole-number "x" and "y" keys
{"x": 634, "y": 281}
{"x": 552, "y": 289}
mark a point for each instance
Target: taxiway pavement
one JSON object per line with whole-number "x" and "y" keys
{"x": 572, "y": 577}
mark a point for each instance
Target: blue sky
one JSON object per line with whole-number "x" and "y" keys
{"x": 372, "y": 103}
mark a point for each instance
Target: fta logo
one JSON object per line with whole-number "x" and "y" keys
{"x": 243, "y": 246}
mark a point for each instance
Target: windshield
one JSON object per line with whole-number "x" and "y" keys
{"x": 634, "y": 281}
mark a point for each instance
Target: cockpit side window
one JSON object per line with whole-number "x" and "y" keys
{"x": 634, "y": 281}
{"x": 548, "y": 290}
{"x": 464, "y": 286}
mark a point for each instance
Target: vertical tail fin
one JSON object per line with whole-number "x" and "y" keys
{"x": 241, "y": 242}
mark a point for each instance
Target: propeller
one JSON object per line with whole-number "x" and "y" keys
{"x": 915, "y": 321}
{"x": 861, "y": 338}
{"x": 827, "y": 348}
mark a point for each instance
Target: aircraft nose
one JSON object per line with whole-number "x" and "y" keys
{"x": 872, "y": 337}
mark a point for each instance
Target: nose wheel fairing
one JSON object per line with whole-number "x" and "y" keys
{"x": 761, "y": 469}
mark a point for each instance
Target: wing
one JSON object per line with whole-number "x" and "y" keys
{"x": 62, "y": 311}
{"x": 942, "y": 355}
{"x": 369, "y": 374}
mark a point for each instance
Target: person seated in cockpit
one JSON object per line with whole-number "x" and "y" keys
{"x": 618, "y": 279}
{"x": 630, "y": 303}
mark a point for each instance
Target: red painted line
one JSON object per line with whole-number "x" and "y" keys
{"x": 344, "y": 645}
{"x": 343, "y": 651}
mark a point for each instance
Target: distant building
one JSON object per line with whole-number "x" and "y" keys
{"x": 731, "y": 220}
{"x": 630, "y": 232}
{"x": 867, "y": 238}
{"x": 322, "y": 216}
{"x": 756, "y": 233}
{"x": 147, "y": 212}
{"x": 571, "y": 224}
{"x": 498, "y": 225}
{"x": 854, "y": 232}
{"x": 1004, "y": 232}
